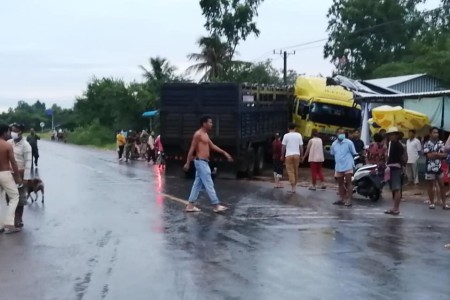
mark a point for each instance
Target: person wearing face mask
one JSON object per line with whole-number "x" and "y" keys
{"x": 343, "y": 151}
{"x": 23, "y": 156}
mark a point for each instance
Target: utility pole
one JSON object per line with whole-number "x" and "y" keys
{"x": 285, "y": 56}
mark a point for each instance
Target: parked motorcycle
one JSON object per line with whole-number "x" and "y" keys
{"x": 367, "y": 182}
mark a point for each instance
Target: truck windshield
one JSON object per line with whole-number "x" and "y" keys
{"x": 335, "y": 115}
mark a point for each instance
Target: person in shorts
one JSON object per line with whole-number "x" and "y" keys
{"x": 394, "y": 168}
{"x": 434, "y": 150}
{"x": 343, "y": 150}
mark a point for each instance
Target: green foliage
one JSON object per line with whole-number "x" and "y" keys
{"x": 160, "y": 71}
{"x": 422, "y": 58}
{"x": 231, "y": 19}
{"x": 370, "y": 33}
{"x": 115, "y": 104}
{"x": 262, "y": 72}
{"x": 214, "y": 59}
{"x": 32, "y": 115}
{"x": 94, "y": 134}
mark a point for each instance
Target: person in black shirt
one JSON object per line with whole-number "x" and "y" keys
{"x": 32, "y": 139}
{"x": 359, "y": 145}
{"x": 395, "y": 163}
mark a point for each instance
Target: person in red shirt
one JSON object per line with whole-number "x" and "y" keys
{"x": 277, "y": 163}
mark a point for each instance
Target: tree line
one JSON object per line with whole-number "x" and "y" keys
{"x": 373, "y": 39}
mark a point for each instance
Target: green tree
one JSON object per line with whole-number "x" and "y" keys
{"x": 231, "y": 19}
{"x": 160, "y": 70}
{"x": 113, "y": 103}
{"x": 262, "y": 73}
{"x": 213, "y": 59}
{"x": 421, "y": 58}
{"x": 370, "y": 33}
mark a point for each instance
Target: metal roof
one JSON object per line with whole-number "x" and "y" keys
{"x": 391, "y": 81}
{"x": 396, "y": 96}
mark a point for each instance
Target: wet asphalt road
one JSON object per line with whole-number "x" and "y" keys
{"x": 117, "y": 231}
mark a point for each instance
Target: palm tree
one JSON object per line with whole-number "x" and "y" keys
{"x": 160, "y": 70}
{"x": 214, "y": 58}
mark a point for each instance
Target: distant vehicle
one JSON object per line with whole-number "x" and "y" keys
{"x": 325, "y": 108}
{"x": 245, "y": 118}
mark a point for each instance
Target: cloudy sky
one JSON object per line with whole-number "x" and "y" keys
{"x": 49, "y": 49}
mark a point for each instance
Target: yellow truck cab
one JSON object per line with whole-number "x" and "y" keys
{"x": 325, "y": 108}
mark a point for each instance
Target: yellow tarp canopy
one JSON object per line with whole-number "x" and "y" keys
{"x": 387, "y": 116}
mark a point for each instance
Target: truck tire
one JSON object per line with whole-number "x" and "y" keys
{"x": 259, "y": 161}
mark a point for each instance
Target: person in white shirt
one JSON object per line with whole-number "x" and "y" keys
{"x": 22, "y": 154}
{"x": 291, "y": 153}
{"x": 413, "y": 149}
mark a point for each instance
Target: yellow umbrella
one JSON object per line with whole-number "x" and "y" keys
{"x": 387, "y": 116}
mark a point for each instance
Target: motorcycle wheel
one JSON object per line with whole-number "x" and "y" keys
{"x": 374, "y": 195}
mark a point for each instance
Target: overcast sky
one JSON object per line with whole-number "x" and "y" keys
{"x": 49, "y": 49}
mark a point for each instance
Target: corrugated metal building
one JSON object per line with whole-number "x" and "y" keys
{"x": 417, "y": 83}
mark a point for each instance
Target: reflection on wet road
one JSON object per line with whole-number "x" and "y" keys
{"x": 117, "y": 231}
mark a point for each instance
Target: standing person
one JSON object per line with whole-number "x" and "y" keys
{"x": 394, "y": 168}
{"x": 343, "y": 150}
{"x": 277, "y": 148}
{"x": 144, "y": 141}
{"x": 151, "y": 155}
{"x": 32, "y": 139}
{"x": 413, "y": 149}
{"x": 202, "y": 146}
{"x": 120, "y": 140}
{"x": 376, "y": 155}
{"x": 22, "y": 154}
{"x": 447, "y": 149}
{"x": 8, "y": 183}
{"x": 314, "y": 152}
{"x": 129, "y": 146}
{"x": 160, "y": 150}
{"x": 291, "y": 152}
{"x": 359, "y": 146}
{"x": 137, "y": 145}
{"x": 434, "y": 151}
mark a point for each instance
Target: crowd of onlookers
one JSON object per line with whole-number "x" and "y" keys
{"x": 397, "y": 159}
{"x": 140, "y": 145}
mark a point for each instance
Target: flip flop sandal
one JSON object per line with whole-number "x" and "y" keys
{"x": 195, "y": 209}
{"x": 339, "y": 203}
{"x": 391, "y": 212}
{"x": 432, "y": 206}
{"x": 221, "y": 209}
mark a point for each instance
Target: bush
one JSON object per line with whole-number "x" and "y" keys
{"x": 94, "y": 134}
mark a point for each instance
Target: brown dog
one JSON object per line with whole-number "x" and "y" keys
{"x": 35, "y": 185}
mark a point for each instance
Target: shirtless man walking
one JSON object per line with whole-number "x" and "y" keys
{"x": 202, "y": 145}
{"x": 7, "y": 182}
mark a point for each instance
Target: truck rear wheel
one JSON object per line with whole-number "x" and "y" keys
{"x": 259, "y": 163}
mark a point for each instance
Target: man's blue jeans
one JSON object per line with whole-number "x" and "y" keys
{"x": 203, "y": 179}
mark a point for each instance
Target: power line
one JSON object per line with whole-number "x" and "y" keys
{"x": 296, "y": 46}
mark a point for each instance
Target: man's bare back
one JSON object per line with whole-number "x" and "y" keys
{"x": 7, "y": 160}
